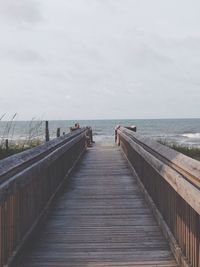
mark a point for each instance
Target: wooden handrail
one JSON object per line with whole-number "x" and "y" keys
{"x": 17, "y": 162}
{"x": 172, "y": 181}
{"x": 28, "y": 183}
{"x": 186, "y": 166}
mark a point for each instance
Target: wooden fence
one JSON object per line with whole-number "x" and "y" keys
{"x": 171, "y": 184}
{"x": 28, "y": 183}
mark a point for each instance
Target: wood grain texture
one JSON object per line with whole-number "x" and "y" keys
{"x": 186, "y": 166}
{"x": 101, "y": 219}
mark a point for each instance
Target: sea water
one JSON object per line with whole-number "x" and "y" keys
{"x": 180, "y": 131}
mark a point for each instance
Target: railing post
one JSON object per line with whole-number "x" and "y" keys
{"x": 91, "y": 135}
{"x": 6, "y": 144}
{"x": 117, "y": 140}
{"x": 46, "y": 131}
{"x": 132, "y": 128}
{"x": 58, "y": 132}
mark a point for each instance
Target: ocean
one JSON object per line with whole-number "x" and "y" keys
{"x": 180, "y": 131}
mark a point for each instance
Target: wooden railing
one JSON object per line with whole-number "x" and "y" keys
{"x": 28, "y": 183}
{"x": 171, "y": 184}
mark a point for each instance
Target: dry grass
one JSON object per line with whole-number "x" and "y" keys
{"x": 193, "y": 152}
{"x": 32, "y": 138}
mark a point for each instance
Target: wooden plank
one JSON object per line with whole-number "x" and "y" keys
{"x": 100, "y": 220}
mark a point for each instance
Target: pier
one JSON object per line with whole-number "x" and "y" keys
{"x": 133, "y": 202}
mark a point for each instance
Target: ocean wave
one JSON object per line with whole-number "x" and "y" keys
{"x": 192, "y": 135}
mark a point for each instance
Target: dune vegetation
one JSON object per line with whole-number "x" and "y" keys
{"x": 9, "y": 145}
{"x": 193, "y": 152}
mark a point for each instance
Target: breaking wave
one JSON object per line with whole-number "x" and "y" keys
{"x": 192, "y": 135}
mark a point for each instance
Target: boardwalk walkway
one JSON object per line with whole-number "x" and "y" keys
{"x": 101, "y": 219}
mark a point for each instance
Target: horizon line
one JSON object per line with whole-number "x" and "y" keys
{"x": 113, "y": 119}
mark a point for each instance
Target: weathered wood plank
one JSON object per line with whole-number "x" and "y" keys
{"x": 100, "y": 220}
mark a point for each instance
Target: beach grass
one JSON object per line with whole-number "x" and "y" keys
{"x": 9, "y": 146}
{"x": 193, "y": 152}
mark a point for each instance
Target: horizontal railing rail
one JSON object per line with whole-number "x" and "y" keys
{"x": 28, "y": 183}
{"x": 172, "y": 181}
{"x": 11, "y": 165}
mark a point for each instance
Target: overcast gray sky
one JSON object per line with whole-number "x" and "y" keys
{"x": 100, "y": 59}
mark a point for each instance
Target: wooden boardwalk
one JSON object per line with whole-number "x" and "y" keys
{"x": 101, "y": 219}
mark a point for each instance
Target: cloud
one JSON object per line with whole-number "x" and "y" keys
{"x": 20, "y": 11}
{"x": 99, "y": 58}
{"x": 21, "y": 55}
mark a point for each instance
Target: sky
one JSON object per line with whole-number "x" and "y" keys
{"x": 100, "y": 59}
